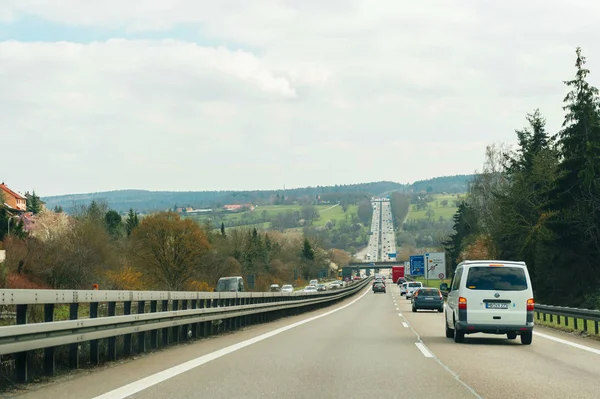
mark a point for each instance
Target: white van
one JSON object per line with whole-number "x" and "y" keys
{"x": 490, "y": 296}
{"x": 313, "y": 283}
{"x": 412, "y": 287}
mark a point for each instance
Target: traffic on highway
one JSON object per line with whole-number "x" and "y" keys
{"x": 371, "y": 344}
{"x": 382, "y": 240}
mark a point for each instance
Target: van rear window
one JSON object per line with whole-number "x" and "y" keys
{"x": 497, "y": 279}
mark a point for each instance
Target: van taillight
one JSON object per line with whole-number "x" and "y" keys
{"x": 530, "y": 305}
{"x": 462, "y": 303}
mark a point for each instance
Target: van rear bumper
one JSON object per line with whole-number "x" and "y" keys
{"x": 493, "y": 329}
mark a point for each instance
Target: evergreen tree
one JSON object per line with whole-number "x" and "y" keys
{"x": 223, "y": 230}
{"x": 132, "y": 221}
{"x": 308, "y": 253}
{"x": 575, "y": 198}
{"x": 34, "y": 204}
{"x": 58, "y": 209}
{"x": 113, "y": 223}
{"x": 465, "y": 226}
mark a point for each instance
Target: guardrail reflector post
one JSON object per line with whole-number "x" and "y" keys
{"x": 112, "y": 341}
{"x": 153, "y": 333}
{"x": 127, "y": 348}
{"x": 49, "y": 353}
{"x": 74, "y": 348}
{"x": 94, "y": 351}
{"x": 21, "y": 357}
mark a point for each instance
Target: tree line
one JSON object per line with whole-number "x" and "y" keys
{"x": 161, "y": 251}
{"x": 540, "y": 203}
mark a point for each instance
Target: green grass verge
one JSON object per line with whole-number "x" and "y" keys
{"x": 559, "y": 323}
{"x": 447, "y": 212}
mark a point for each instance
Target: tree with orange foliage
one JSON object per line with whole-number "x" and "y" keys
{"x": 168, "y": 250}
{"x": 127, "y": 278}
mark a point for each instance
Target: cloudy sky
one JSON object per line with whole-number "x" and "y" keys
{"x": 203, "y": 95}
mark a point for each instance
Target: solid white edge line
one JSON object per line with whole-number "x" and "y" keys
{"x": 423, "y": 349}
{"x": 405, "y": 324}
{"x": 569, "y": 343}
{"x": 151, "y": 380}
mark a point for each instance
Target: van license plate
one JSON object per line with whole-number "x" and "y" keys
{"x": 493, "y": 305}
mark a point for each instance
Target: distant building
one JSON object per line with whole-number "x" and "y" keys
{"x": 238, "y": 207}
{"x": 200, "y": 211}
{"x": 13, "y": 200}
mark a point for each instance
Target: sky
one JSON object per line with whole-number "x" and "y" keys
{"x": 190, "y": 95}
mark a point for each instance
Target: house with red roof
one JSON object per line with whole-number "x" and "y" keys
{"x": 13, "y": 200}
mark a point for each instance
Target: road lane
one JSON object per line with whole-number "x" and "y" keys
{"x": 358, "y": 351}
{"x": 500, "y": 368}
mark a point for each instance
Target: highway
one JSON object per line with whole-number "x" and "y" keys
{"x": 370, "y": 345}
{"x": 383, "y": 240}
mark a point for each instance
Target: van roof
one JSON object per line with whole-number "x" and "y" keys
{"x": 487, "y": 262}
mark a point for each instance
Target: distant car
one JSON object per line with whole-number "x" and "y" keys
{"x": 274, "y": 288}
{"x": 313, "y": 282}
{"x": 287, "y": 288}
{"x": 321, "y": 287}
{"x": 411, "y": 287}
{"x": 427, "y": 298}
{"x": 310, "y": 288}
{"x": 379, "y": 287}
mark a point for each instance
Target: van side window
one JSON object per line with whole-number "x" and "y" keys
{"x": 456, "y": 280}
{"x": 241, "y": 286}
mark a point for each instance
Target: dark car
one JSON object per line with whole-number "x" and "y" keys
{"x": 428, "y": 298}
{"x": 378, "y": 280}
{"x": 379, "y": 287}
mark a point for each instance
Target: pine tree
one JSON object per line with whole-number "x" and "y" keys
{"x": 532, "y": 140}
{"x": 223, "y": 230}
{"x": 575, "y": 198}
{"x": 308, "y": 253}
{"x": 34, "y": 204}
{"x": 132, "y": 221}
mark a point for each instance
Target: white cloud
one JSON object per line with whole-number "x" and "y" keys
{"x": 310, "y": 93}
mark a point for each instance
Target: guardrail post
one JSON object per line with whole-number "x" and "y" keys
{"x": 153, "y": 333}
{"x": 185, "y": 327}
{"x": 209, "y": 324}
{"x": 49, "y": 353}
{"x": 141, "y": 336}
{"x": 21, "y": 357}
{"x": 574, "y": 323}
{"x": 194, "y": 325}
{"x": 596, "y": 326}
{"x": 94, "y": 351}
{"x": 238, "y": 320}
{"x": 112, "y": 341}
{"x": 74, "y": 348}
{"x": 202, "y": 326}
{"x": 165, "y": 331}
{"x": 176, "y": 330}
{"x": 127, "y": 347}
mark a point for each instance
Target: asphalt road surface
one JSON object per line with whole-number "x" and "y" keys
{"x": 370, "y": 345}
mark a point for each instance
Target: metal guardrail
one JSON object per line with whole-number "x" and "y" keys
{"x": 172, "y": 316}
{"x": 563, "y": 314}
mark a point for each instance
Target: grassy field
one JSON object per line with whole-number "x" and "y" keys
{"x": 447, "y": 212}
{"x": 268, "y": 212}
